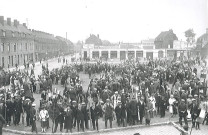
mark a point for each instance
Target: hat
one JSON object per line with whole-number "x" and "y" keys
{"x": 83, "y": 103}
{"x": 189, "y": 96}
{"x": 116, "y": 92}
{"x": 33, "y": 105}
{"x": 74, "y": 101}
{"x": 182, "y": 100}
{"x": 108, "y": 99}
{"x": 27, "y": 99}
{"x": 195, "y": 95}
{"x": 193, "y": 99}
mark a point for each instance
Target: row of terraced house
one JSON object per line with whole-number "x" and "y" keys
{"x": 20, "y": 45}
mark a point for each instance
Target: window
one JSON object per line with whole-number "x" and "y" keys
{"x": 21, "y": 47}
{"x": 9, "y": 60}
{"x": 4, "y": 33}
{"x": 13, "y": 35}
{"x": 2, "y": 60}
{"x": 8, "y": 47}
{"x": 15, "y": 47}
{"x": 2, "y": 47}
{"x": 26, "y": 46}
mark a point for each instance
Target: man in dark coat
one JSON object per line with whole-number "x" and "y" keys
{"x": 17, "y": 110}
{"x": 27, "y": 108}
{"x": 108, "y": 112}
{"x": 9, "y": 111}
{"x": 86, "y": 114}
{"x": 194, "y": 111}
{"x": 33, "y": 118}
{"x": 128, "y": 110}
{"x": 95, "y": 111}
{"x": 80, "y": 118}
{"x": 68, "y": 119}
{"x": 162, "y": 107}
{"x": 74, "y": 113}
{"x": 134, "y": 110}
{"x": 59, "y": 120}
{"x": 182, "y": 110}
{"x": 118, "y": 113}
{"x": 141, "y": 105}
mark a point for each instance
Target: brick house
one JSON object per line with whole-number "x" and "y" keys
{"x": 165, "y": 40}
{"x": 16, "y": 43}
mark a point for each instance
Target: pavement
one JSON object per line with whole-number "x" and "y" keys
{"x": 152, "y": 130}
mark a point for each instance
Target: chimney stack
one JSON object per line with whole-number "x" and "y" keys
{"x": 15, "y": 23}
{"x": 2, "y": 20}
{"x": 24, "y": 24}
{"x": 9, "y": 21}
{"x": 207, "y": 30}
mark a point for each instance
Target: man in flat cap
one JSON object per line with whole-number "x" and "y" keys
{"x": 33, "y": 118}
{"x": 182, "y": 109}
{"x": 108, "y": 111}
{"x": 193, "y": 111}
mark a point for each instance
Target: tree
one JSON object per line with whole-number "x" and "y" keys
{"x": 190, "y": 36}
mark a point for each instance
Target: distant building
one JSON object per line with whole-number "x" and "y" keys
{"x": 202, "y": 44}
{"x": 65, "y": 45}
{"x": 122, "y": 51}
{"x": 20, "y": 45}
{"x": 95, "y": 40}
{"x": 179, "y": 44}
{"x": 16, "y": 43}
{"x": 148, "y": 44}
{"x": 48, "y": 46}
{"x": 165, "y": 40}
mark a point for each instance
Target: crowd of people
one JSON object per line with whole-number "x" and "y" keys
{"x": 130, "y": 92}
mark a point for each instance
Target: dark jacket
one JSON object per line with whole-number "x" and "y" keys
{"x": 182, "y": 109}
{"x": 68, "y": 119}
{"x": 108, "y": 110}
{"x": 141, "y": 108}
{"x": 80, "y": 115}
{"x": 133, "y": 107}
{"x": 96, "y": 112}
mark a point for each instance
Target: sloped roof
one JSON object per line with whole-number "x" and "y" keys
{"x": 162, "y": 35}
{"x": 20, "y": 28}
{"x": 64, "y": 40}
{"x": 43, "y": 35}
{"x": 93, "y": 40}
{"x": 204, "y": 36}
{"x": 106, "y": 42}
{"x": 165, "y": 34}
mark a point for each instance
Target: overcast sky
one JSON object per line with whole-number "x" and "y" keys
{"x": 113, "y": 20}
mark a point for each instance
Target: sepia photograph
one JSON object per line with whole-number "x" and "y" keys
{"x": 103, "y": 67}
